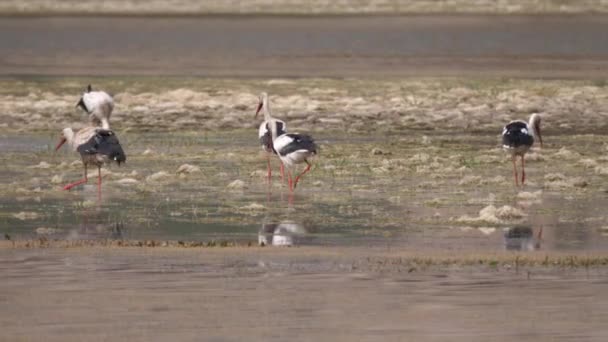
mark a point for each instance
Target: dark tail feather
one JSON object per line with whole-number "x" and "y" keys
{"x": 106, "y": 143}
{"x": 306, "y": 142}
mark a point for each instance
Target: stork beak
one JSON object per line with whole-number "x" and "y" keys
{"x": 258, "y": 110}
{"x": 60, "y": 143}
{"x": 540, "y": 138}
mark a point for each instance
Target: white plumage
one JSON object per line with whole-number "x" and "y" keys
{"x": 99, "y": 105}
{"x": 265, "y": 136}
{"x": 75, "y": 139}
{"x": 296, "y": 151}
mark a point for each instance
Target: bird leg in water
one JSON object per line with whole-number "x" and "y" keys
{"x": 99, "y": 182}
{"x": 539, "y": 238}
{"x": 84, "y": 180}
{"x": 514, "y": 159}
{"x": 523, "y": 170}
{"x": 269, "y": 169}
{"x": 301, "y": 174}
{"x": 290, "y": 180}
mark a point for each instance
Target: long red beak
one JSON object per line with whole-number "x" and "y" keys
{"x": 259, "y": 108}
{"x": 540, "y": 139}
{"x": 60, "y": 143}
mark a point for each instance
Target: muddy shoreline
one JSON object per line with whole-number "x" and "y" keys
{"x": 360, "y": 259}
{"x": 388, "y": 106}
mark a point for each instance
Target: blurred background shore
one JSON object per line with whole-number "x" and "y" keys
{"x": 191, "y": 7}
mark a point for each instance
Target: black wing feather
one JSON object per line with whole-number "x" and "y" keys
{"x": 513, "y": 135}
{"x": 106, "y": 143}
{"x": 300, "y": 142}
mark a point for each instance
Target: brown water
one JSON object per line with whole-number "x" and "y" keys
{"x": 279, "y": 294}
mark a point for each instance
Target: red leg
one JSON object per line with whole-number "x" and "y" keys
{"x": 515, "y": 170}
{"x": 301, "y": 174}
{"x": 282, "y": 172}
{"x": 290, "y": 180}
{"x": 269, "y": 169}
{"x": 523, "y": 170}
{"x": 84, "y": 180}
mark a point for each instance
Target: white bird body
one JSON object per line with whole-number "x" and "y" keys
{"x": 80, "y": 137}
{"x": 294, "y": 148}
{"x": 265, "y": 136}
{"x": 99, "y": 105}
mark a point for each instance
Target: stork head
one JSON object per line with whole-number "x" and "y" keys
{"x": 66, "y": 135}
{"x": 263, "y": 102}
{"x": 81, "y": 103}
{"x": 535, "y": 125}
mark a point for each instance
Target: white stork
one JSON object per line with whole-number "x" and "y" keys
{"x": 99, "y": 105}
{"x": 96, "y": 146}
{"x": 292, "y": 148}
{"x": 517, "y": 138}
{"x": 264, "y": 134}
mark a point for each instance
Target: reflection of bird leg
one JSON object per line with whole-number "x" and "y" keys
{"x": 523, "y": 170}
{"x": 513, "y": 158}
{"x": 290, "y": 180}
{"x": 539, "y": 238}
{"x": 269, "y": 169}
{"x": 301, "y": 174}
{"x": 84, "y": 180}
{"x": 99, "y": 183}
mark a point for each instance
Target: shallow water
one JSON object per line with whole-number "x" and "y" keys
{"x": 228, "y": 295}
{"x": 335, "y": 46}
{"x": 416, "y": 195}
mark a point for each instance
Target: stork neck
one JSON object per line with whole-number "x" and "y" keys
{"x": 272, "y": 126}
{"x": 266, "y": 107}
{"x": 105, "y": 124}
{"x": 68, "y": 134}
{"x": 533, "y": 124}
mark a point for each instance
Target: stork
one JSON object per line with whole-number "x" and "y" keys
{"x": 517, "y": 138}
{"x": 96, "y": 146}
{"x": 264, "y": 134}
{"x": 292, "y": 148}
{"x": 99, "y": 106}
